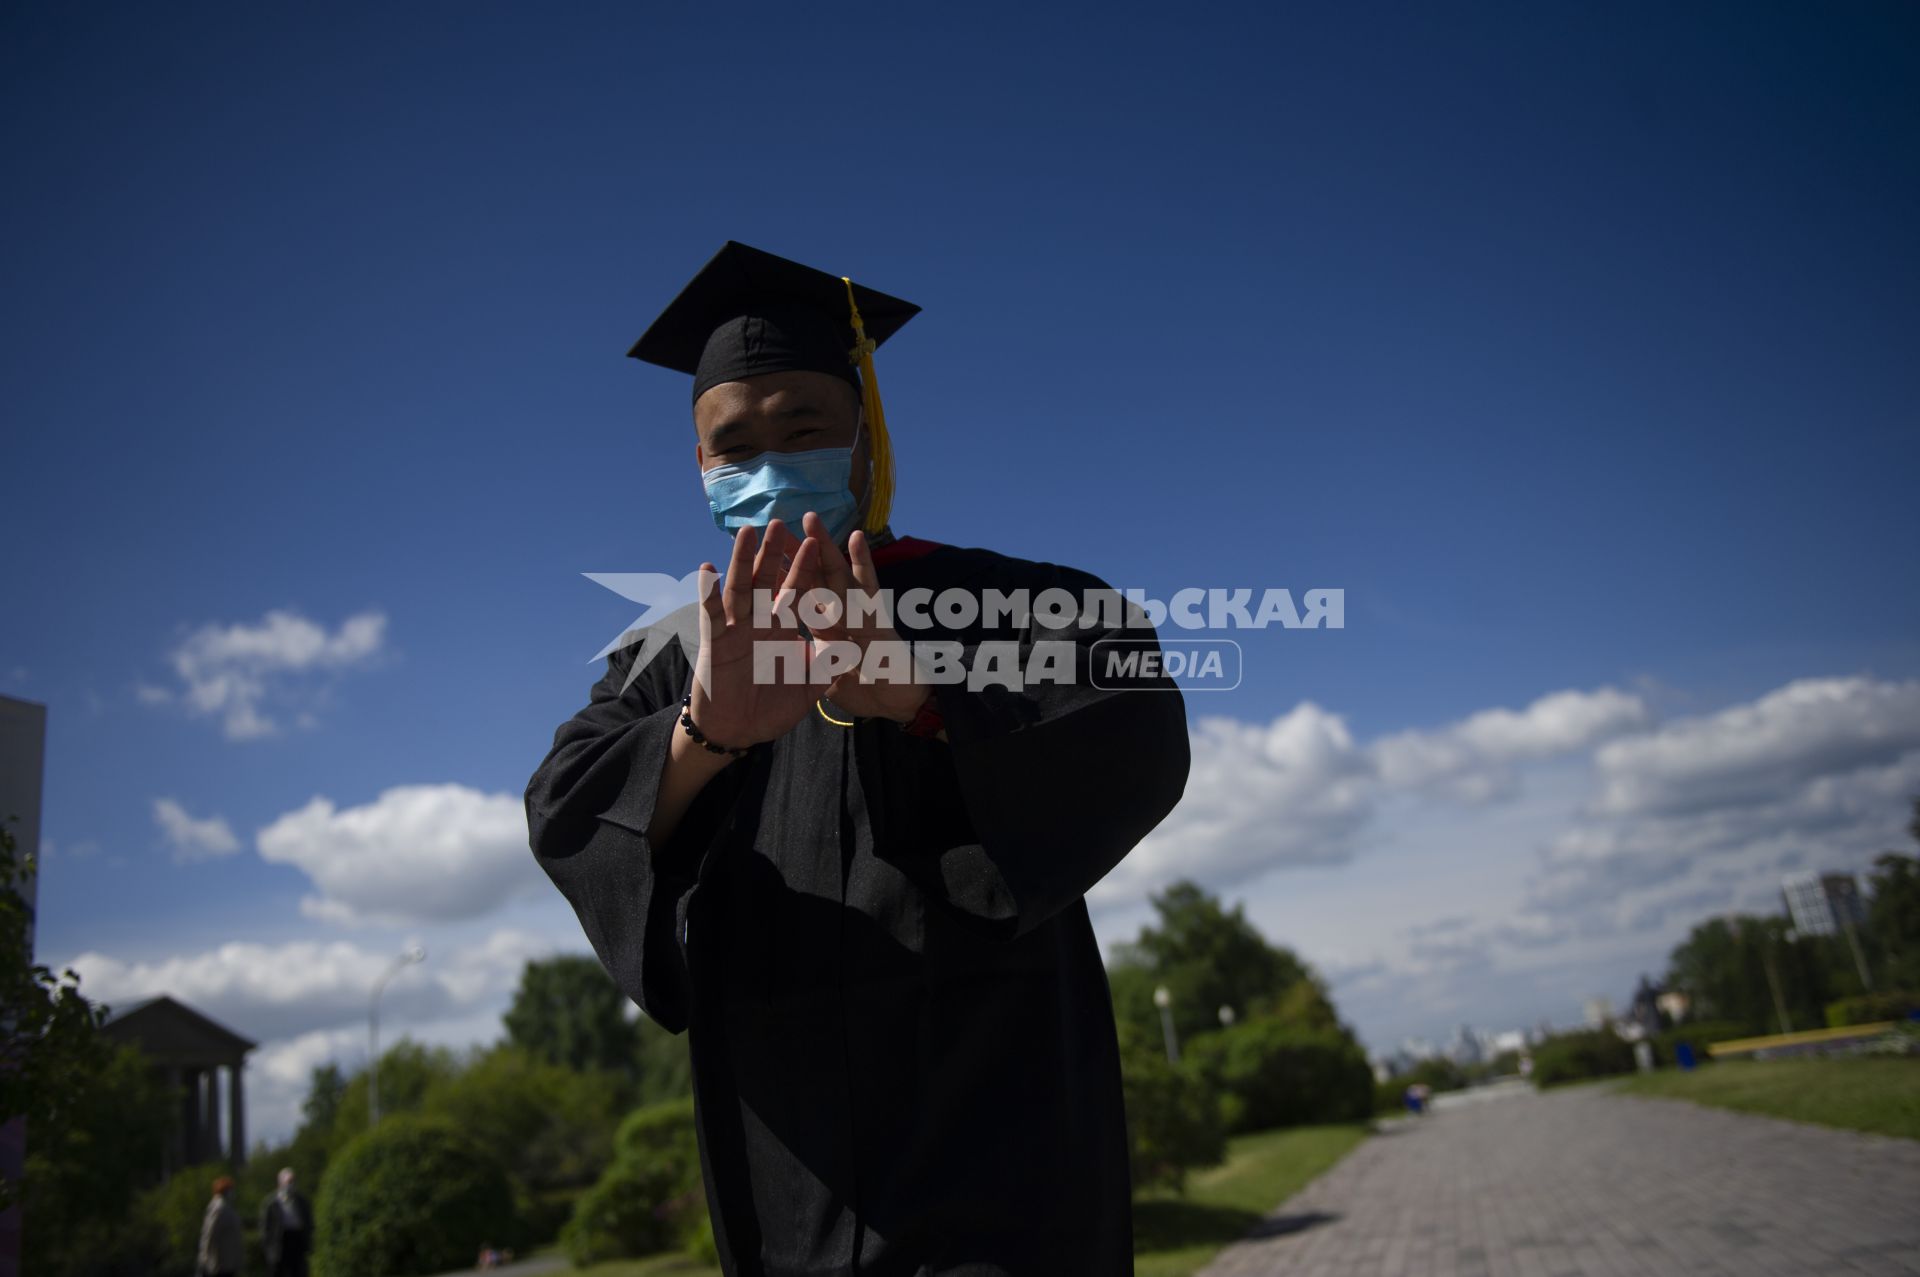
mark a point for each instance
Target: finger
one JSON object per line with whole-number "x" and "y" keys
{"x": 712, "y": 617}
{"x": 833, "y": 563}
{"x": 773, "y": 556}
{"x": 832, "y": 625}
{"x": 708, "y": 581}
{"x": 877, "y": 621}
{"x": 865, "y": 575}
{"x": 802, "y": 573}
{"x": 740, "y": 574}
{"x": 788, "y": 542}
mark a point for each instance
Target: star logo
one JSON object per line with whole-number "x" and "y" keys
{"x": 669, "y": 611}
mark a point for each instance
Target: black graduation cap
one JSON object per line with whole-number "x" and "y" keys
{"x": 749, "y": 312}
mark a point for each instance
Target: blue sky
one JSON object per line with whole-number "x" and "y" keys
{"x": 1575, "y": 344}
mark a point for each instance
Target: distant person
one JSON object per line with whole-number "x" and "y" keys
{"x": 223, "y": 1243}
{"x": 286, "y": 1229}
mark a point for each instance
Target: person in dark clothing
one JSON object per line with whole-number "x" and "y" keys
{"x": 862, "y": 896}
{"x": 286, "y": 1229}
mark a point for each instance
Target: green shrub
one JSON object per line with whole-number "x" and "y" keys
{"x": 1575, "y": 1057}
{"x": 649, "y": 1200}
{"x": 1173, "y": 1120}
{"x": 1699, "y": 1034}
{"x": 658, "y": 1130}
{"x": 168, "y": 1216}
{"x": 553, "y": 1126}
{"x": 700, "y": 1245}
{"x": 542, "y": 1213}
{"x": 1872, "y": 1008}
{"x": 1270, "y": 1074}
{"x": 411, "y": 1196}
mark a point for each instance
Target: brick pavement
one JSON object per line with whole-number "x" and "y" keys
{"x": 1582, "y": 1183}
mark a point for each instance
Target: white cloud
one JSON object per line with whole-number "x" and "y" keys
{"x": 1619, "y": 834}
{"x": 277, "y": 992}
{"x": 1473, "y": 757}
{"x": 193, "y": 839}
{"x": 1639, "y": 871}
{"x": 85, "y": 849}
{"x": 232, "y": 671}
{"x": 1750, "y": 753}
{"x": 305, "y": 1003}
{"x": 416, "y": 853}
{"x": 1300, "y": 791}
{"x": 1292, "y": 792}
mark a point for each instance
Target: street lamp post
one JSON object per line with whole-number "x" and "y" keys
{"x": 402, "y": 961}
{"x": 1164, "y": 1000}
{"x": 1773, "y": 981}
{"x": 1853, "y": 942}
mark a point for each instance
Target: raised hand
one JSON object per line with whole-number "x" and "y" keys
{"x": 729, "y": 706}
{"x": 862, "y": 690}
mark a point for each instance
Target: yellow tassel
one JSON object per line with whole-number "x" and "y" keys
{"x": 879, "y": 446}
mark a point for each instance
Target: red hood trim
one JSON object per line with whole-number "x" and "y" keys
{"x": 901, "y": 549}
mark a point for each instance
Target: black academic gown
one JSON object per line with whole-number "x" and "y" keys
{"x": 902, "y": 1038}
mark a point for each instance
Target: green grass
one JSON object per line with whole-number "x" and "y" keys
{"x": 1172, "y": 1235}
{"x": 1879, "y": 1095}
{"x": 1175, "y": 1235}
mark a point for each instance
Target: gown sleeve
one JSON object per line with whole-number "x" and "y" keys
{"x": 1059, "y": 781}
{"x": 588, "y": 809}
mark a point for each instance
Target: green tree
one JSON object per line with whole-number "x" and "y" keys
{"x": 1270, "y": 1073}
{"x": 86, "y": 1165}
{"x": 1209, "y": 957}
{"x": 1893, "y": 917}
{"x": 1582, "y": 1054}
{"x": 568, "y": 1012}
{"x": 49, "y": 1038}
{"x": 1174, "y": 1123}
{"x": 326, "y": 1088}
{"x": 97, "y": 1120}
{"x": 412, "y": 1196}
{"x": 553, "y": 1126}
{"x": 408, "y": 1073}
{"x": 312, "y": 1143}
{"x": 1732, "y": 967}
{"x": 650, "y": 1197}
{"x": 665, "y": 1064}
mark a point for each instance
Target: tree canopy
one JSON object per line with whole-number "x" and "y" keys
{"x": 567, "y": 1011}
{"x": 1208, "y": 957}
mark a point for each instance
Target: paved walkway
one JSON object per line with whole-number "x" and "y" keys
{"x": 519, "y": 1268}
{"x": 1585, "y": 1184}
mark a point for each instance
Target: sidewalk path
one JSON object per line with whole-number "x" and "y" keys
{"x": 1582, "y": 1183}
{"x": 519, "y": 1268}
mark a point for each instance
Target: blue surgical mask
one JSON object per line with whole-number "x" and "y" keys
{"x": 784, "y": 486}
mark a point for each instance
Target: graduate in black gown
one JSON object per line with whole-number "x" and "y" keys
{"x": 863, "y": 901}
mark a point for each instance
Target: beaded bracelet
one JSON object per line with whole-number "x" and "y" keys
{"x": 700, "y": 737}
